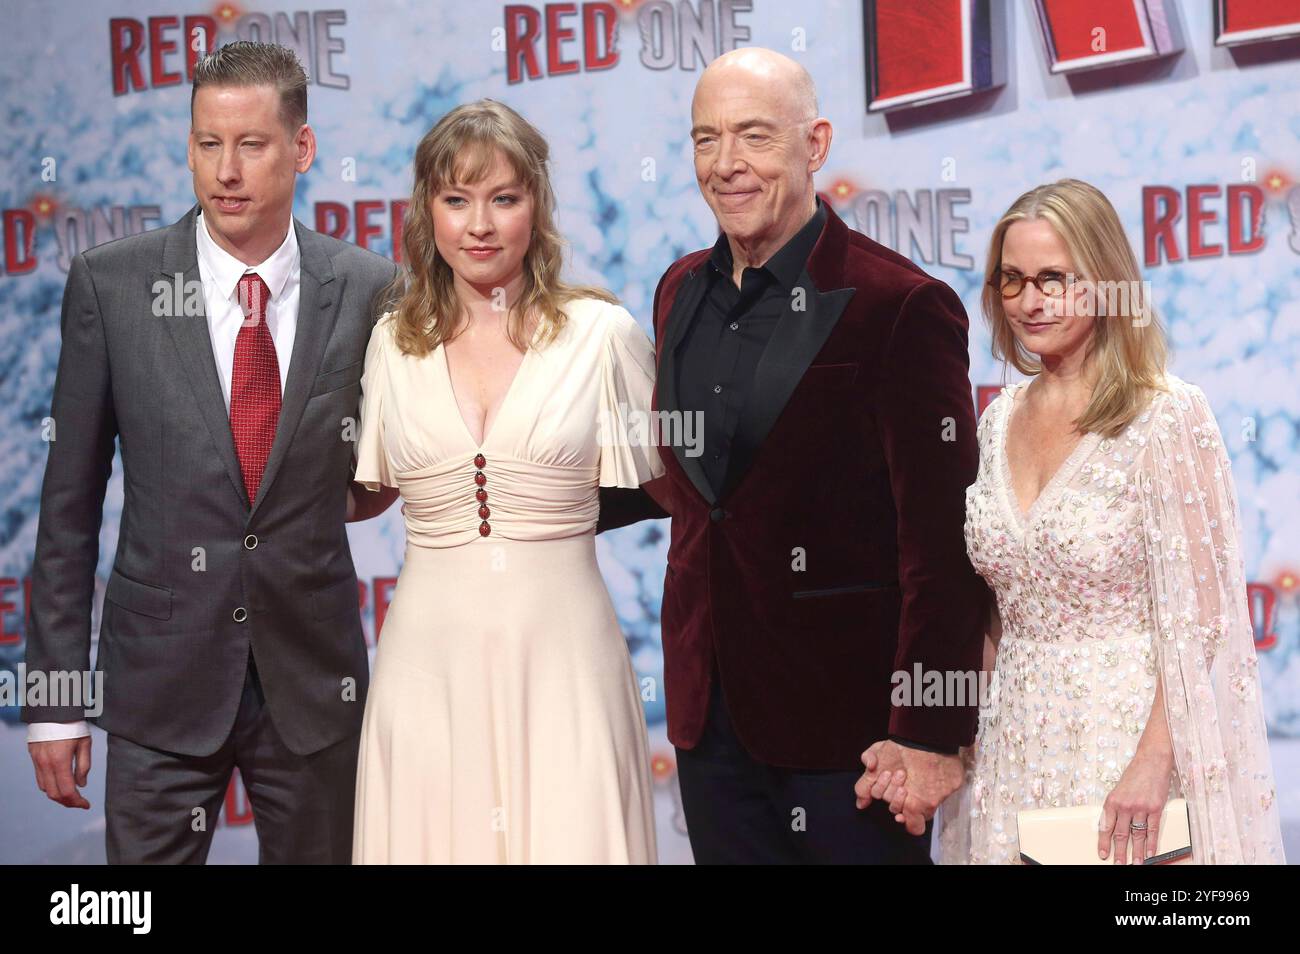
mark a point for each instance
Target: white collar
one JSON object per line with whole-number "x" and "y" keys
{"x": 224, "y": 270}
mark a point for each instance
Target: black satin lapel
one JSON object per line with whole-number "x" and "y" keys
{"x": 685, "y": 308}
{"x": 194, "y": 345}
{"x": 795, "y": 341}
{"x": 318, "y": 295}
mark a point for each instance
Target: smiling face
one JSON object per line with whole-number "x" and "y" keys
{"x": 755, "y": 151}
{"x": 245, "y": 164}
{"x": 1044, "y": 326}
{"x": 482, "y": 229}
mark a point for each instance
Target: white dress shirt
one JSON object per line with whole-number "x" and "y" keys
{"x": 220, "y": 273}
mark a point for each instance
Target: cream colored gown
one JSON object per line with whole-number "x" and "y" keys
{"x": 1126, "y": 571}
{"x": 504, "y": 722}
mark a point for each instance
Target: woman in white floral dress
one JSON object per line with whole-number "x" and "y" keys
{"x": 1104, "y": 519}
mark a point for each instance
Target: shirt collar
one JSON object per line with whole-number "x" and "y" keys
{"x": 224, "y": 270}
{"x": 788, "y": 262}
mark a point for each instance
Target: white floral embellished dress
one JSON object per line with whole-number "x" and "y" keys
{"x": 1125, "y": 570}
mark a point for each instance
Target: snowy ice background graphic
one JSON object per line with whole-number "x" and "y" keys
{"x": 629, "y": 206}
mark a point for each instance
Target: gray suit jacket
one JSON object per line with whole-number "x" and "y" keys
{"x": 173, "y": 653}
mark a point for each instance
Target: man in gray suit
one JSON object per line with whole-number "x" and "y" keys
{"x": 225, "y": 354}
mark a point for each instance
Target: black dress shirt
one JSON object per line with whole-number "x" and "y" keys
{"x": 718, "y": 354}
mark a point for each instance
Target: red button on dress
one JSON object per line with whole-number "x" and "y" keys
{"x": 480, "y": 495}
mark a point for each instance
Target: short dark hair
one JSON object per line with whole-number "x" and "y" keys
{"x": 244, "y": 63}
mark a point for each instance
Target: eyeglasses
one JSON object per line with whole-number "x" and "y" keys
{"x": 1050, "y": 283}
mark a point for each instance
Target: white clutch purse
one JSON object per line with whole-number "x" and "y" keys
{"x": 1068, "y": 836}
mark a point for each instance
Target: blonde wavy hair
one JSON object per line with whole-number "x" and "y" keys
{"x": 1127, "y": 352}
{"x": 460, "y": 150}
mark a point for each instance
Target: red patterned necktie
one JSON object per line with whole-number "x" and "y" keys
{"x": 254, "y": 385}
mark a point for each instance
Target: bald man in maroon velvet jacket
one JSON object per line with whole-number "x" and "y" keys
{"x": 817, "y": 543}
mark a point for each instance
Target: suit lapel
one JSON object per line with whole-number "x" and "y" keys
{"x": 685, "y": 307}
{"x": 795, "y": 341}
{"x": 193, "y": 344}
{"x": 318, "y": 296}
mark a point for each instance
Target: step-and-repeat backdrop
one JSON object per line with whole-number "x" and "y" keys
{"x": 1186, "y": 114}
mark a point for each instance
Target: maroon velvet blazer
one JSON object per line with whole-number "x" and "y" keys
{"x": 834, "y": 554}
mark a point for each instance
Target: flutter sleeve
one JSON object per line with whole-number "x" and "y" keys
{"x": 629, "y": 455}
{"x": 372, "y": 458}
{"x": 1205, "y": 643}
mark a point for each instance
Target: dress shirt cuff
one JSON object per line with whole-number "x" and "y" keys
{"x": 54, "y": 731}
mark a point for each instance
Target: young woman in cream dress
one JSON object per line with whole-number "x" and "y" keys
{"x": 504, "y": 722}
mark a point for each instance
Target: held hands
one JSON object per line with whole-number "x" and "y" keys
{"x": 1138, "y": 799}
{"x": 914, "y": 783}
{"x": 55, "y": 773}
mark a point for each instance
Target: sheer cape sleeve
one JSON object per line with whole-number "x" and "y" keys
{"x": 1205, "y": 643}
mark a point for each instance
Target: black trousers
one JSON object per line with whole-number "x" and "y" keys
{"x": 162, "y": 808}
{"x": 741, "y": 811}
